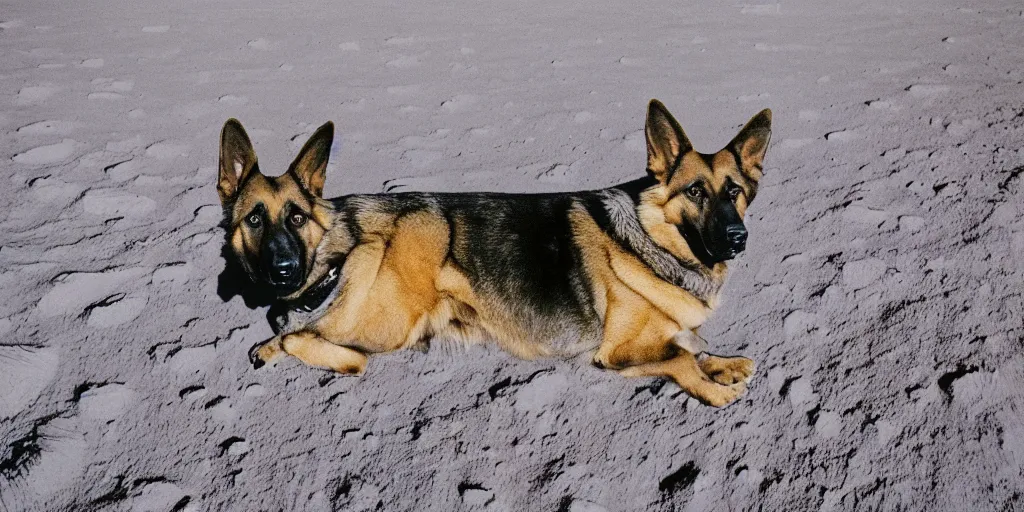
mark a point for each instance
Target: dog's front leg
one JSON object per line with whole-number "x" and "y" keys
{"x": 723, "y": 370}
{"x": 266, "y": 352}
{"x": 310, "y": 348}
{"x": 687, "y": 373}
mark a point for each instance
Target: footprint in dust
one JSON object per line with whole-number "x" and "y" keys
{"x": 105, "y": 402}
{"x": 809, "y": 115}
{"x": 963, "y": 127}
{"x": 421, "y": 158}
{"x": 122, "y": 171}
{"x": 232, "y": 99}
{"x": 253, "y": 391}
{"x": 235, "y": 447}
{"x": 635, "y": 141}
{"x": 582, "y": 117}
{"x": 116, "y": 310}
{"x": 460, "y": 102}
{"x": 790, "y": 144}
{"x": 798, "y": 323}
{"x": 48, "y": 154}
{"x": 863, "y": 273}
{"x": 55, "y": 191}
{"x": 881, "y": 104}
{"x": 48, "y": 127}
{"x": 767, "y": 9}
{"x": 9, "y": 24}
{"x": 842, "y": 136}
{"x": 481, "y": 131}
{"x": 858, "y": 213}
{"x": 192, "y": 361}
{"x": 35, "y": 94}
{"x": 164, "y": 150}
{"x": 403, "y": 62}
{"x": 221, "y": 410}
{"x": 192, "y": 394}
{"x": 175, "y": 273}
{"x": 110, "y": 89}
{"x": 110, "y": 84}
{"x": 403, "y": 90}
{"x": 73, "y": 292}
{"x": 399, "y": 41}
{"x": 911, "y": 223}
{"x": 927, "y": 90}
{"x": 259, "y": 44}
{"x": 161, "y": 495}
{"x": 111, "y": 204}
{"x": 103, "y": 95}
{"x": 25, "y": 371}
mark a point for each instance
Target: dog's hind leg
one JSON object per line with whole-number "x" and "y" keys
{"x": 313, "y": 350}
{"x": 684, "y": 370}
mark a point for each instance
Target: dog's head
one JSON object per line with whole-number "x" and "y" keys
{"x": 274, "y": 224}
{"x": 702, "y": 197}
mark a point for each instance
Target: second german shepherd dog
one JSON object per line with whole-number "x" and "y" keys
{"x": 629, "y": 272}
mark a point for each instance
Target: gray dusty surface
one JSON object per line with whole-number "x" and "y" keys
{"x": 880, "y": 293}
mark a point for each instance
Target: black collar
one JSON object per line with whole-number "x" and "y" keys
{"x": 316, "y": 294}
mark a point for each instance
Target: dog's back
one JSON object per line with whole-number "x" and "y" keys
{"x": 508, "y": 267}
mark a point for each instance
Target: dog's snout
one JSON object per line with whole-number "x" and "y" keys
{"x": 282, "y": 261}
{"x": 284, "y": 269}
{"x": 737, "y": 235}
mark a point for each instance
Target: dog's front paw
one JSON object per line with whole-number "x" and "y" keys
{"x": 717, "y": 395}
{"x": 266, "y": 352}
{"x": 727, "y": 370}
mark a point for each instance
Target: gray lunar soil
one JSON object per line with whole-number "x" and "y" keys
{"x": 880, "y": 293}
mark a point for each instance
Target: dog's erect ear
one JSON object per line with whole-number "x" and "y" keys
{"x": 751, "y": 144}
{"x": 310, "y": 167}
{"x": 666, "y": 141}
{"x": 237, "y": 159}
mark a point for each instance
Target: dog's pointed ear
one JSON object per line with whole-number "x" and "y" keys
{"x": 310, "y": 167}
{"x": 666, "y": 141}
{"x": 237, "y": 159}
{"x": 751, "y": 144}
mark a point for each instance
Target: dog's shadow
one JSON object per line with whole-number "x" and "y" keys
{"x": 233, "y": 281}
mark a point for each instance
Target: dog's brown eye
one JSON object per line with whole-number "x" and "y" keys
{"x": 298, "y": 219}
{"x": 254, "y": 220}
{"x": 695, "y": 191}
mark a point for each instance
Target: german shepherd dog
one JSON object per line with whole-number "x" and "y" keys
{"x": 628, "y": 272}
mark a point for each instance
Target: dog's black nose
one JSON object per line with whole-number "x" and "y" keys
{"x": 737, "y": 236}
{"x": 284, "y": 270}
